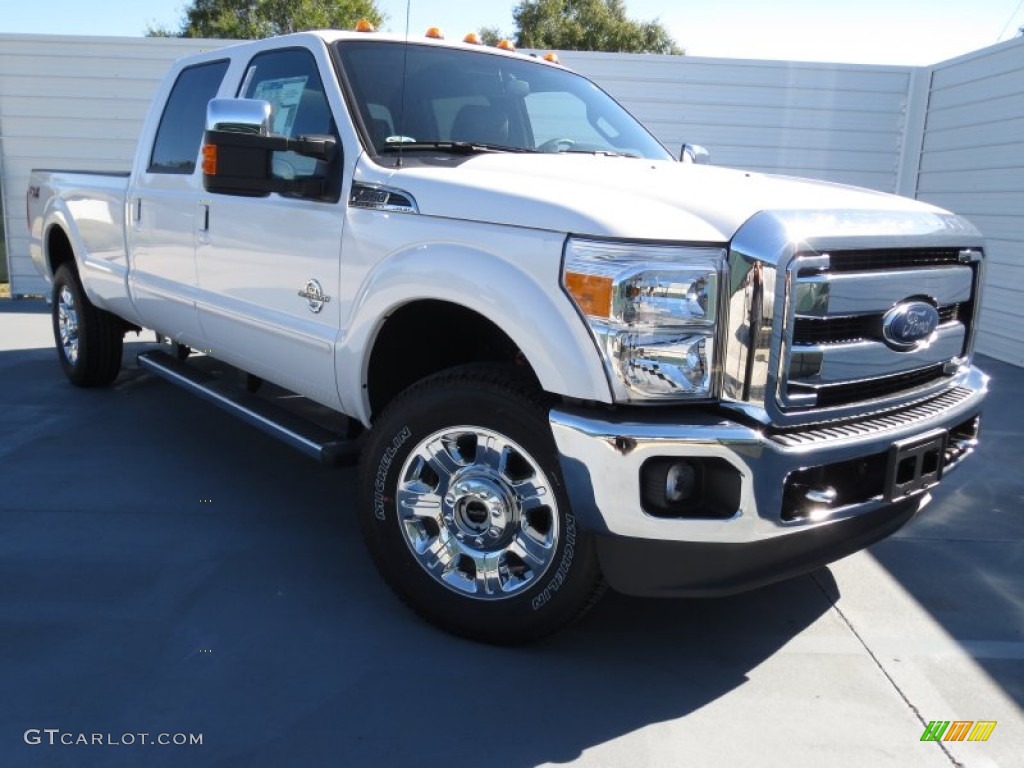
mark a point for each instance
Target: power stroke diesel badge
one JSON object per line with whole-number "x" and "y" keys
{"x": 314, "y": 295}
{"x": 909, "y": 323}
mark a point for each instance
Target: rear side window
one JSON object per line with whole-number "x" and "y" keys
{"x": 176, "y": 147}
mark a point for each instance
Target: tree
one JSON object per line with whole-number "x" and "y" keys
{"x": 492, "y": 35}
{"x": 588, "y": 25}
{"x": 252, "y": 19}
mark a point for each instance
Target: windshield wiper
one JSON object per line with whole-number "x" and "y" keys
{"x": 451, "y": 147}
{"x": 602, "y": 152}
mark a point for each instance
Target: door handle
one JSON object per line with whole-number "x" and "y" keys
{"x": 137, "y": 209}
{"x": 204, "y": 217}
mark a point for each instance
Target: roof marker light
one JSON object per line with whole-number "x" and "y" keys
{"x": 435, "y": 33}
{"x": 472, "y": 38}
{"x": 506, "y": 45}
{"x": 552, "y": 57}
{"x": 364, "y": 26}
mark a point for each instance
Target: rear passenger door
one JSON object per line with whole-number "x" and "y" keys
{"x": 269, "y": 267}
{"x": 162, "y": 205}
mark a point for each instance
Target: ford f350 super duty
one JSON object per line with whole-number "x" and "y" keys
{"x": 562, "y": 358}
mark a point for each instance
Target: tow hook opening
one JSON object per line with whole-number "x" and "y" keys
{"x": 906, "y": 470}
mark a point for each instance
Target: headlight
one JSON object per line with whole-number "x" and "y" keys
{"x": 652, "y": 310}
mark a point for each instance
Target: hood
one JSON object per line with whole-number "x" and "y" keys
{"x": 615, "y": 196}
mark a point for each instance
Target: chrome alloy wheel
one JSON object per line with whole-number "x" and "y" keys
{"x": 67, "y": 324}
{"x": 478, "y": 512}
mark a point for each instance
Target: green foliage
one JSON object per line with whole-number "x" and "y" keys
{"x": 254, "y": 19}
{"x": 492, "y": 35}
{"x": 588, "y": 25}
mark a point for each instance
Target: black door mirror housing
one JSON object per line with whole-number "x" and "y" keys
{"x": 238, "y": 151}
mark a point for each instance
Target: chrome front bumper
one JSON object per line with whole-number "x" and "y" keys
{"x": 602, "y": 455}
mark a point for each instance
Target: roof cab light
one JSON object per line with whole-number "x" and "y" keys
{"x": 551, "y": 57}
{"x": 435, "y": 33}
{"x": 473, "y": 39}
{"x": 506, "y": 45}
{"x": 364, "y": 26}
{"x": 653, "y": 311}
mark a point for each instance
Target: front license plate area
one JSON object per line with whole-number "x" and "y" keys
{"x": 915, "y": 465}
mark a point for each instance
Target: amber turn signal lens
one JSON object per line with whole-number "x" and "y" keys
{"x": 210, "y": 159}
{"x": 593, "y": 293}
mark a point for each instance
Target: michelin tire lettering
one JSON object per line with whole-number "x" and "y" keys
{"x": 382, "y": 471}
{"x": 563, "y": 568}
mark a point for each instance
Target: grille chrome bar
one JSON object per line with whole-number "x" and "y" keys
{"x": 823, "y": 364}
{"x": 855, "y": 293}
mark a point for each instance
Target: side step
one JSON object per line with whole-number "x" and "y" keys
{"x": 306, "y": 436}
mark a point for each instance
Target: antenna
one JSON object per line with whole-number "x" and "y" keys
{"x": 405, "y": 69}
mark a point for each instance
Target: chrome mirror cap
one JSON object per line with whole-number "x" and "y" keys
{"x": 250, "y": 116}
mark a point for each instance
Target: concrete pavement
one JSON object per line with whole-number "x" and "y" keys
{"x": 165, "y": 569}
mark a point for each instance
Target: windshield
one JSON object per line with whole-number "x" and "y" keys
{"x": 473, "y": 97}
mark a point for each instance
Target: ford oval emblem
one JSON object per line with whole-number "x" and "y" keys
{"x": 909, "y": 323}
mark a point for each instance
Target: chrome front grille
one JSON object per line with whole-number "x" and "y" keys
{"x": 833, "y": 350}
{"x": 836, "y": 314}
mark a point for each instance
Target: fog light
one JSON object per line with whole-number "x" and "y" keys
{"x": 691, "y": 487}
{"x": 680, "y": 482}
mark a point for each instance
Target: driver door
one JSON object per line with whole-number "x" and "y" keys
{"x": 269, "y": 267}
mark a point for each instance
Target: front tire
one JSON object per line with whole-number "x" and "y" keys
{"x": 464, "y": 512}
{"x": 89, "y": 340}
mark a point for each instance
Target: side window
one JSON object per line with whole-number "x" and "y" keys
{"x": 290, "y": 82}
{"x": 176, "y": 147}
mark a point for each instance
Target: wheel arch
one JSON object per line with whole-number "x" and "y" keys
{"x": 57, "y": 248}
{"x": 396, "y": 360}
{"x": 513, "y": 316}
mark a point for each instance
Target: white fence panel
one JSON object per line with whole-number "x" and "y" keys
{"x": 836, "y": 122}
{"x": 972, "y": 162}
{"x": 71, "y": 102}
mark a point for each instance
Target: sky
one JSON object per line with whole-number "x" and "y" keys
{"x": 909, "y": 32}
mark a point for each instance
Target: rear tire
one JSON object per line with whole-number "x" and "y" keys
{"x": 464, "y": 512}
{"x": 89, "y": 340}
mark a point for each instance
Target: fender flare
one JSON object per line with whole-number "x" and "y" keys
{"x": 541, "y": 321}
{"x": 57, "y": 216}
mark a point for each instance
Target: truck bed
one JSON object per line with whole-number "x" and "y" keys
{"x": 91, "y": 206}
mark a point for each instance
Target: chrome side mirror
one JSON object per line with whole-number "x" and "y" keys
{"x": 249, "y": 116}
{"x": 694, "y": 153}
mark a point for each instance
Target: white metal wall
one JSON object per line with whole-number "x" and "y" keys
{"x": 972, "y": 162}
{"x": 71, "y": 102}
{"x": 838, "y": 122}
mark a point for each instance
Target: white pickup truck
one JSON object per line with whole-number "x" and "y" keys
{"x": 562, "y": 357}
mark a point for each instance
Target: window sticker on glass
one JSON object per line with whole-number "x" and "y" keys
{"x": 284, "y": 95}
